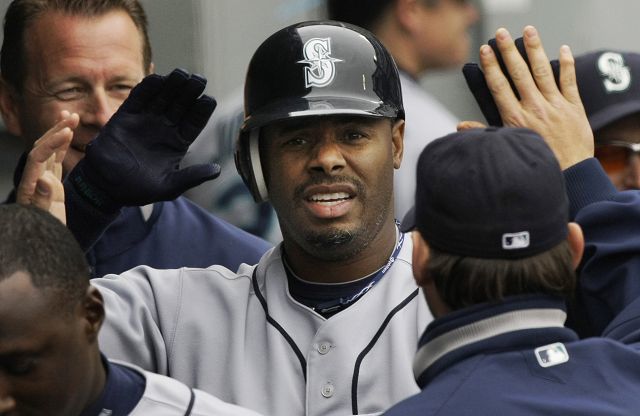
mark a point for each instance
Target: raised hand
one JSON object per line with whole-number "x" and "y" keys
{"x": 41, "y": 183}
{"x": 135, "y": 159}
{"x": 533, "y": 98}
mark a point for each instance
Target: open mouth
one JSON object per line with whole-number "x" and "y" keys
{"x": 330, "y": 199}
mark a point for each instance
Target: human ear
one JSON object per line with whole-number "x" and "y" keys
{"x": 397, "y": 138}
{"x": 93, "y": 309}
{"x": 420, "y": 259}
{"x": 576, "y": 243}
{"x": 9, "y": 108}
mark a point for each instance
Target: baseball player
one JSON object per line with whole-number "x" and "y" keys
{"x": 50, "y": 363}
{"x": 609, "y": 84}
{"x": 328, "y": 321}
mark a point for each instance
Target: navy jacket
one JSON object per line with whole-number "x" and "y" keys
{"x": 517, "y": 357}
{"x": 177, "y": 234}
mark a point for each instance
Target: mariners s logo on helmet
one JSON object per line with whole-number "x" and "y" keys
{"x": 322, "y": 68}
{"x": 617, "y": 76}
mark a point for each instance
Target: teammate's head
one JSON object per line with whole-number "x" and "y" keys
{"x": 49, "y": 317}
{"x": 83, "y": 56}
{"x": 491, "y": 218}
{"x": 322, "y": 134}
{"x": 609, "y": 83}
{"x": 421, "y": 34}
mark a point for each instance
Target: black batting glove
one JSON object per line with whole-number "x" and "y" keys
{"x": 135, "y": 159}
{"x": 478, "y": 85}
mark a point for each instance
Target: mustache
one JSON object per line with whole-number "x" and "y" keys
{"x": 329, "y": 180}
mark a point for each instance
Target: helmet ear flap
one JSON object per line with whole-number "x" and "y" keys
{"x": 249, "y": 165}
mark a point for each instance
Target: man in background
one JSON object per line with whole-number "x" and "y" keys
{"x": 84, "y": 57}
{"x": 609, "y": 83}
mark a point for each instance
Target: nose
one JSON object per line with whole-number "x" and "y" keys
{"x": 99, "y": 108}
{"x": 327, "y": 156}
{"x": 632, "y": 179}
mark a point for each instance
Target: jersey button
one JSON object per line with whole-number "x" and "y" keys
{"x": 324, "y": 348}
{"x": 327, "y": 390}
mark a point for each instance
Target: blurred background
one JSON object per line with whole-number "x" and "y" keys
{"x": 217, "y": 38}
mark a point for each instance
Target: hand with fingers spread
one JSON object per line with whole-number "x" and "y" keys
{"x": 41, "y": 183}
{"x": 135, "y": 158}
{"x": 532, "y": 97}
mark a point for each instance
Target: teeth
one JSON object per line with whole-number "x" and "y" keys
{"x": 330, "y": 197}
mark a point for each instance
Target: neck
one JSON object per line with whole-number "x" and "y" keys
{"x": 96, "y": 383}
{"x": 308, "y": 265}
{"x": 399, "y": 43}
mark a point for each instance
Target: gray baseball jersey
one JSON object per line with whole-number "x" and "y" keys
{"x": 243, "y": 338}
{"x": 164, "y": 396}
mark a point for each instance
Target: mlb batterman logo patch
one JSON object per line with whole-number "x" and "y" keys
{"x": 552, "y": 354}
{"x": 322, "y": 68}
{"x": 514, "y": 241}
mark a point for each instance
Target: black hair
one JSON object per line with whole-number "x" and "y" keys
{"x": 35, "y": 242}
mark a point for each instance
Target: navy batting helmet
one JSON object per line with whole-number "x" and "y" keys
{"x": 313, "y": 69}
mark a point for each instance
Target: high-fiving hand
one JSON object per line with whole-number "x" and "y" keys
{"x": 135, "y": 159}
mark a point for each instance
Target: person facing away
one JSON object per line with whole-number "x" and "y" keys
{"x": 50, "y": 362}
{"x": 422, "y": 36}
{"x": 609, "y": 83}
{"x": 497, "y": 265}
{"x": 84, "y": 57}
{"x": 499, "y": 289}
{"x": 327, "y": 321}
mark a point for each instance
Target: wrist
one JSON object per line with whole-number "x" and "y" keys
{"x": 90, "y": 192}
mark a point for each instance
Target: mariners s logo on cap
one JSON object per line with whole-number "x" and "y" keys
{"x": 616, "y": 73}
{"x": 322, "y": 68}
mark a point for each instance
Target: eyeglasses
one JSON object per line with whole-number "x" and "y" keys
{"x": 614, "y": 156}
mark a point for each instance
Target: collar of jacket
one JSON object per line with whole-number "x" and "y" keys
{"x": 518, "y": 322}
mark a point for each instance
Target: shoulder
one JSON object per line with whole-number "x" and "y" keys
{"x": 202, "y": 221}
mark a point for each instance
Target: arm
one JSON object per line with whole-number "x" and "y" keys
{"x": 135, "y": 159}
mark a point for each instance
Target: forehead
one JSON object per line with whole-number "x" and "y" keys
{"x": 26, "y": 312}
{"x": 325, "y": 122}
{"x": 55, "y": 42}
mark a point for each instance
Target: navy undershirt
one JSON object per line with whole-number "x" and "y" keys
{"x": 315, "y": 295}
{"x": 122, "y": 391}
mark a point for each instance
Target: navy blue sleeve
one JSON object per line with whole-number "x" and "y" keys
{"x": 86, "y": 222}
{"x": 586, "y": 183}
{"x": 609, "y": 275}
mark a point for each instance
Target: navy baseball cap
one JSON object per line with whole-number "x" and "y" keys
{"x": 609, "y": 85}
{"x": 490, "y": 193}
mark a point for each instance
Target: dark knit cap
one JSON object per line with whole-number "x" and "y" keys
{"x": 490, "y": 193}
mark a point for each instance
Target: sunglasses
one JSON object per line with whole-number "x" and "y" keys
{"x": 614, "y": 156}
